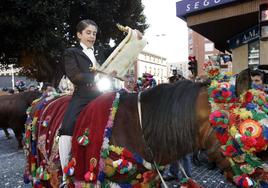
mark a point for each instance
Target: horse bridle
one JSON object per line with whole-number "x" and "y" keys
{"x": 214, "y": 147}
{"x": 146, "y": 145}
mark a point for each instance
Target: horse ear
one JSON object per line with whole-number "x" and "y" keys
{"x": 242, "y": 82}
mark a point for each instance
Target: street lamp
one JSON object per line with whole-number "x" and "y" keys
{"x": 12, "y": 77}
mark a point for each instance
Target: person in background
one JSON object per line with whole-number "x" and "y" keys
{"x": 31, "y": 88}
{"x": 5, "y": 89}
{"x": 20, "y": 86}
{"x": 257, "y": 78}
{"x": 130, "y": 84}
{"x": 12, "y": 91}
{"x": 47, "y": 89}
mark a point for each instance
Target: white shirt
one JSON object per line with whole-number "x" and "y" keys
{"x": 90, "y": 54}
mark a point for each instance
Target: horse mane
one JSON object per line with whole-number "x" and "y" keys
{"x": 169, "y": 118}
{"x": 242, "y": 82}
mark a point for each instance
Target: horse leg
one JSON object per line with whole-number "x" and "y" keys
{"x": 6, "y": 133}
{"x": 195, "y": 159}
{"x": 18, "y": 136}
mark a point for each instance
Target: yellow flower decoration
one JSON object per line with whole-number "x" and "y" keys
{"x": 214, "y": 83}
{"x": 243, "y": 113}
{"x": 34, "y": 120}
{"x": 233, "y": 131}
{"x": 118, "y": 150}
{"x": 228, "y": 73}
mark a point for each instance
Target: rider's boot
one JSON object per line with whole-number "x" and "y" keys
{"x": 65, "y": 146}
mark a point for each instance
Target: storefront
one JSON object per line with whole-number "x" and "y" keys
{"x": 237, "y": 26}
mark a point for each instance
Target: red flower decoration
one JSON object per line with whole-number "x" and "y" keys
{"x": 248, "y": 97}
{"x": 233, "y": 119}
{"x": 226, "y": 94}
{"x": 248, "y": 142}
{"x": 217, "y": 113}
{"x": 261, "y": 144}
{"x": 223, "y": 138}
{"x": 214, "y": 92}
{"x": 127, "y": 154}
{"x": 229, "y": 151}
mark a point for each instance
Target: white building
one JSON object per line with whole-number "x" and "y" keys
{"x": 153, "y": 64}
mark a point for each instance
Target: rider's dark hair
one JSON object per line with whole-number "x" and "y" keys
{"x": 84, "y": 23}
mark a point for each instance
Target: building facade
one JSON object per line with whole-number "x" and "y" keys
{"x": 153, "y": 64}
{"x": 200, "y": 47}
{"x": 238, "y": 26}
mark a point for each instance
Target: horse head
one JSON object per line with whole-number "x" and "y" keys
{"x": 30, "y": 96}
{"x": 228, "y": 125}
{"x": 242, "y": 82}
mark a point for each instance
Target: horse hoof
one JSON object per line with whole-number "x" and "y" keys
{"x": 211, "y": 166}
{"x": 196, "y": 162}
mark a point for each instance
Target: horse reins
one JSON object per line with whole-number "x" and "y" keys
{"x": 208, "y": 131}
{"x": 214, "y": 147}
{"x": 148, "y": 148}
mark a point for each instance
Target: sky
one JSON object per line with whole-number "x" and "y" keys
{"x": 167, "y": 34}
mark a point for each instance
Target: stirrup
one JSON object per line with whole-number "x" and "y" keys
{"x": 63, "y": 185}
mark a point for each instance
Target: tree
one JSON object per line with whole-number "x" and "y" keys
{"x": 34, "y": 33}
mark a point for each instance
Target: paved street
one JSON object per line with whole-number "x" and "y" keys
{"x": 12, "y": 165}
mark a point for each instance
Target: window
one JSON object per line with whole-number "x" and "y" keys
{"x": 190, "y": 41}
{"x": 209, "y": 47}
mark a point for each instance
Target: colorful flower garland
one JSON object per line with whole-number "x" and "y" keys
{"x": 107, "y": 135}
{"x": 241, "y": 127}
{"x": 32, "y": 172}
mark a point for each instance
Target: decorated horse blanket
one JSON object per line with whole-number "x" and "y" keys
{"x": 44, "y": 117}
{"x": 42, "y": 141}
{"x": 91, "y": 123}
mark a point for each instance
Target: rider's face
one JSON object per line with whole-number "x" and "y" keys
{"x": 88, "y": 36}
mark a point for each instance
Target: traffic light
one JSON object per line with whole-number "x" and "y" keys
{"x": 192, "y": 65}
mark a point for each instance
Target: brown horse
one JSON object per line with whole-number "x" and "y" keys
{"x": 13, "y": 112}
{"x": 174, "y": 122}
{"x": 242, "y": 82}
{"x": 174, "y": 118}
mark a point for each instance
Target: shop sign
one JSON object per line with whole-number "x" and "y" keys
{"x": 185, "y": 7}
{"x": 244, "y": 38}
